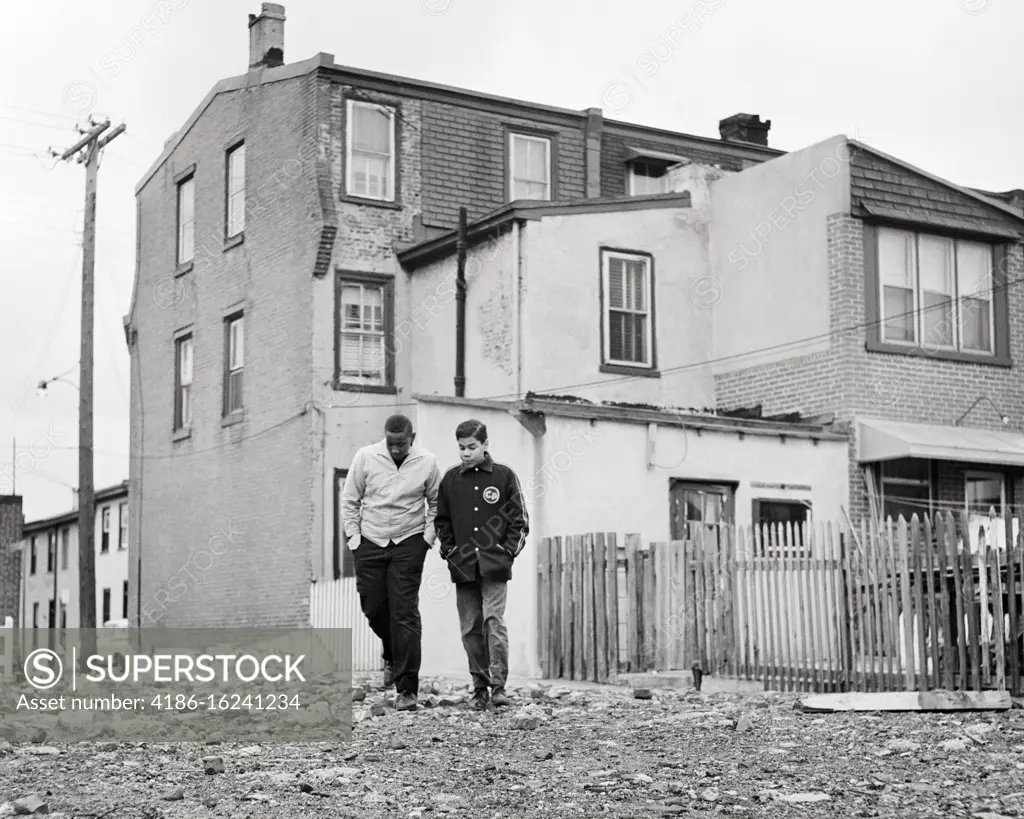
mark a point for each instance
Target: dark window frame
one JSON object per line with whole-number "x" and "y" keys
{"x": 105, "y": 530}
{"x": 650, "y": 371}
{"x": 106, "y": 607}
{"x": 1000, "y": 303}
{"x": 33, "y": 564}
{"x": 186, "y": 176}
{"x": 341, "y": 278}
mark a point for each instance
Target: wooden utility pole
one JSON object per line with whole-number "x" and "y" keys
{"x": 87, "y": 150}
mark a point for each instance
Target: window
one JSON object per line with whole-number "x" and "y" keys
{"x": 51, "y": 613}
{"x": 778, "y": 513}
{"x": 906, "y": 488}
{"x": 105, "y": 535}
{"x": 183, "y": 383}
{"x": 234, "y": 358}
{"x": 364, "y": 317}
{"x": 530, "y": 167}
{"x": 124, "y": 600}
{"x": 935, "y": 292}
{"x": 35, "y": 615}
{"x": 235, "y": 198}
{"x": 106, "y": 607}
{"x": 647, "y": 178}
{"x": 51, "y": 551}
{"x": 122, "y": 534}
{"x": 628, "y": 315}
{"x": 32, "y": 557}
{"x": 63, "y": 615}
{"x": 186, "y": 219}
{"x": 343, "y": 564}
{"x": 370, "y": 156}
{"x": 65, "y": 541}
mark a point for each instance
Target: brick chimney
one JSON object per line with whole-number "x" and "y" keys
{"x": 745, "y": 128}
{"x": 11, "y": 523}
{"x": 266, "y": 37}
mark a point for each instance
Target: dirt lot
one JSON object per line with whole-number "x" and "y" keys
{"x": 557, "y": 752}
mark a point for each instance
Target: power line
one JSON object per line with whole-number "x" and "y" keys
{"x": 35, "y": 111}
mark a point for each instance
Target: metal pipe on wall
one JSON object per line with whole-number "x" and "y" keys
{"x": 460, "y": 309}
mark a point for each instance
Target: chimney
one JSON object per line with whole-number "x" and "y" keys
{"x": 745, "y": 128}
{"x": 74, "y": 500}
{"x": 266, "y": 37}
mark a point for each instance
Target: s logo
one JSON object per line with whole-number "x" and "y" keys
{"x": 491, "y": 494}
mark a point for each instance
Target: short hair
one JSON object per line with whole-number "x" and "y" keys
{"x": 398, "y": 425}
{"x": 471, "y": 429}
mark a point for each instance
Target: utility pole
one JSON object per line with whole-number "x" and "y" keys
{"x": 87, "y": 150}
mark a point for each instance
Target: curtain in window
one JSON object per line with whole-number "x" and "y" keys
{"x": 938, "y": 318}
{"x": 362, "y": 334}
{"x": 371, "y": 152}
{"x": 896, "y": 267}
{"x": 974, "y": 271}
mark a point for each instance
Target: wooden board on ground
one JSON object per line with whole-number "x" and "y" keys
{"x": 909, "y": 701}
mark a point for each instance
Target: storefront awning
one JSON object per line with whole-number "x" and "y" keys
{"x": 887, "y": 440}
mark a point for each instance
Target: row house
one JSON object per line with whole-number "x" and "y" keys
{"x": 49, "y": 579}
{"x": 272, "y": 320}
{"x": 857, "y": 285}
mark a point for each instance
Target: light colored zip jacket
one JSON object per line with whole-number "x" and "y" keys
{"x": 383, "y": 502}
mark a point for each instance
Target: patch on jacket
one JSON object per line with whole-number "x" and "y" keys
{"x": 491, "y": 494}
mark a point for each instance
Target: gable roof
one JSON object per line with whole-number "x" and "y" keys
{"x": 938, "y": 180}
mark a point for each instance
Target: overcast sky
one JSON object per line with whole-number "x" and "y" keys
{"x": 930, "y": 81}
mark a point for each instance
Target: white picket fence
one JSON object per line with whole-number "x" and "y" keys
{"x": 7, "y": 649}
{"x": 335, "y": 604}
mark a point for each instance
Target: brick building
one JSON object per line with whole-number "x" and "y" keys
{"x": 888, "y": 298}
{"x": 11, "y": 521}
{"x": 269, "y": 304}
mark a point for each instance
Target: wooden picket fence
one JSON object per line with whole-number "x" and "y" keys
{"x": 899, "y": 605}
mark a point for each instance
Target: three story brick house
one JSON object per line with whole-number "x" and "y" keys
{"x": 855, "y": 284}
{"x": 268, "y": 275}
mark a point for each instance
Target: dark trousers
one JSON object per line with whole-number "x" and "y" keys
{"x": 481, "y": 606}
{"x": 388, "y": 581}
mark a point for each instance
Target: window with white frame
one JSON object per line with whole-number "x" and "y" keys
{"x": 236, "y": 191}
{"x": 122, "y": 535}
{"x": 529, "y": 167}
{"x": 627, "y": 309}
{"x": 234, "y": 362}
{"x": 370, "y": 155}
{"x": 936, "y": 292}
{"x": 183, "y": 383}
{"x": 362, "y": 332}
{"x": 186, "y": 219}
{"x": 105, "y": 538}
{"x": 646, "y": 178}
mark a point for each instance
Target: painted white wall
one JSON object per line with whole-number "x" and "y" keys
{"x": 111, "y": 570}
{"x": 583, "y": 477}
{"x": 769, "y": 253}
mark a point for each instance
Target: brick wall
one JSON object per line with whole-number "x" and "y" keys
{"x": 464, "y": 160}
{"x": 11, "y": 523}
{"x": 853, "y": 382}
{"x": 226, "y": 514}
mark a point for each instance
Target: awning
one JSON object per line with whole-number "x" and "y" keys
{"x": 633, "y": 152}
{"x": 887, "y": 440}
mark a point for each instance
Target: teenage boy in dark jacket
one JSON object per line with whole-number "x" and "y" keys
{"x": 482, "y": 524}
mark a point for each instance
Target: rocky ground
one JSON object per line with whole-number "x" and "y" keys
{"x": 560, "y": 751}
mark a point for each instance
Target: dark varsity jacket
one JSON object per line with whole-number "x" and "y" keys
{"x": 481, "y": 521}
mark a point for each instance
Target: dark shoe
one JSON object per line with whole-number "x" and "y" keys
{"x": 406, "y": 702}
{"x": 389, "y": 675}
{"x": 479, "y": 701}
{"x": 500, "y": 698}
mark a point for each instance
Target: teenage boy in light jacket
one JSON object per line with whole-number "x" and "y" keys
{"x": 482, "y": 524}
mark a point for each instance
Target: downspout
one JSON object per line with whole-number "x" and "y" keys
{"x": 460, "y": 309}
{"x": 517, "y": 318}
